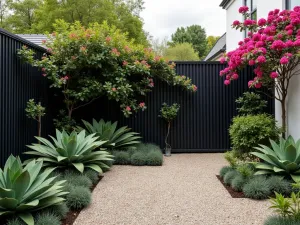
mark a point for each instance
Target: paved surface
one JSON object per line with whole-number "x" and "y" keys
{"x": 184, "y": 191}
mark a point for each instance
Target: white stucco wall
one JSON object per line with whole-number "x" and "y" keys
{"x": 233, "y": 36}
{"x": 265, "y": 6}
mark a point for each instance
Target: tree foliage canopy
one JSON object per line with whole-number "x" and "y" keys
{"x": 181, "y": 52}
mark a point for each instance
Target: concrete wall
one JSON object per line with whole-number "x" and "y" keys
{"x": 233, "y": 37}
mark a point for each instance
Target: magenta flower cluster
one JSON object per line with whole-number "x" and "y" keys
{"x": 271, "y": 41}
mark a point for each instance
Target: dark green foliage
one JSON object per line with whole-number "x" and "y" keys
{"x": 238, "y": 182}
{"x": 47, "y": 218}
{"x": 276, "y": 220}
{"x": 138, "y": 159}
{"x": 247, "y": 132}
{"x": 121, "y": 158}
{"x": 229, "y": 176}
{"x": 251, "y": 104}
{"x": 78, "y": 198}
{"x": 224, "y": 170}
{"x": 279, "y": 185}
{"x": 59, "y": 210}
{"x": 92, "y": 175}
{"x": 15, "y": 221}
{"x": 257, "y": 188}
{"x": 154, "y": 158}
{"x": 75, "y": 179}
{"x": 246, "y": 170}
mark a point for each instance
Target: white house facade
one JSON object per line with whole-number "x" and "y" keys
{"x": 260, "y": 9}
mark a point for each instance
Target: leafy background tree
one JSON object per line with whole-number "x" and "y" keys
{"x": 211, "y": 41}
{"x": 195, "y": 35}
{"x": 181, "y": 52}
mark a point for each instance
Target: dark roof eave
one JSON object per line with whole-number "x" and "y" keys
{"x": 224, "y": 3}
{"x": 217, "y": 53}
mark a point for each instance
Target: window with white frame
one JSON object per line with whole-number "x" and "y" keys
{"x": 252, "y": 5}
{"x": 290, "y": 4}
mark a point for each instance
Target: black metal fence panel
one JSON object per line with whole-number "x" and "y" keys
{"x": 204, "y": 117}
{"x": 19, "y": 82}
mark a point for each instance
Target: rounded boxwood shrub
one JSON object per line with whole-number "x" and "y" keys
{"x": 229, "y": 176}
{"x": 121, "y": 158}
{"x": 154, "y": 158}
{"x": 224, "y": 170}
{"x": 58, "y": 210}
{"x": 276, "y": 220}
{"x": 138, "y": 159}
{"x": 75, "y": 179}
{"x": 238, "y": 182}
{"x": 248, "y": 131}
{"x": 257, "y": 188}
{"x": 92, "y": 175}
{"x": 47, "y": 218}
{"x": 79, "y": 197}
{"x": 279, "y": 185}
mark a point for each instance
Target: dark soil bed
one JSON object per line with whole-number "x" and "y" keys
{"x": 231, "y": 191}
{"x": 73, "y": 214}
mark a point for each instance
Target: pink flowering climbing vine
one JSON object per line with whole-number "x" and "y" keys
{"x": 87, "y": 63}
{"x": 272, "y": 46}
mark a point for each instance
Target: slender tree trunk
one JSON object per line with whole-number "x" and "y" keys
{"x": 166, "y": 140}
{"x": 283, "y": 117}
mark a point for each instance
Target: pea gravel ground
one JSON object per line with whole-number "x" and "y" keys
{"x": 184, "y": 191}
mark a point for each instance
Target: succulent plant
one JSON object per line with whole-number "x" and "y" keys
{"x": 24, "y": 190}
{"x": 280, "y": 159}
{"x": 72, "y": 150}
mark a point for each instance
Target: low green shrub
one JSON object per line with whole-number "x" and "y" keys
{"x": 246, "y": 132}
{"x": 224, "y": 170}
{"x": 122, "y": 158}
{"x": 238, "y": 182}
{"x": 92, "y": 175}
{"x": 231, "y": 158}
{"x": 75, "y": 179}
{"x": 47, "y": 218}
{"x": 246, "y": 170}
{"x": 138, "y": 159}
{"x": 229, "y": 176}
{"x": 59, "y": 210}
{"x": 257, "y": 188}
{"x": 279, "y": 185}
{"x": 154, "y": 158}
{"x": 277, "y": 220}
{"x": 15, "y": 221}
{"x": 79, "y": 197}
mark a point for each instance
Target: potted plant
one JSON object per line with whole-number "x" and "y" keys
{"x": 168, "y": 113}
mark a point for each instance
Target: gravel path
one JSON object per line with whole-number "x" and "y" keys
{"x": 184, "y": 191}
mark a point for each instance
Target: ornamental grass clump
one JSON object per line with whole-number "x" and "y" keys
{"x": 224, "y": 170}
{"x": 257, "y": 188}
{"x": 279, "y": 185}
{"x": 277, "y": 220}
{"x": 238, "y": 182}
{"x": 139, "y": 159}
{"x": 122, "y": 158}
{"x": 154, "y": 158}
{"x": 229, "y": 176}
{"x": 78, "y": 198}
{"x": 92, "y": 175}
{"x": 47, "y": 218}
{"x": 24, "y": 190}
{"x": 75, "y": 179}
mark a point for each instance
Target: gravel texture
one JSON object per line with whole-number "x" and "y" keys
{"x": 184, "y": 191}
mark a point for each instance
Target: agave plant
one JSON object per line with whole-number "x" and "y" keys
{"x": 115, "y": 138}
{"x": 281, "y": 159}
{"x": 72, "y": 150}
{"x": 25, "y": 190}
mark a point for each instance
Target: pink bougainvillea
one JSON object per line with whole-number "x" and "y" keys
{"x": 271, "y": 47}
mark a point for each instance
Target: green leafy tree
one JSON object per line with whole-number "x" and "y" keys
{"x": 181, "y": 52}
{"x": 211, "y": 41}
{"x": 169, "y": 113}
{"x": 251, "y": 104}
{"x": 86, "y": 64}
{"x": 159, "y": 46}
{"x": 35, "y": 111}
{"x": 3, "y": 13}
{"x": 194, "y": 35}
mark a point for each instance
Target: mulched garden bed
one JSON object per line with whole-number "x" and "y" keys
{"x": 231, "y": 191}
{"x": 73, "y": 214}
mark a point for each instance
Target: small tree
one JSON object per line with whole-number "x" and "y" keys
{"x": 35, "y": 111}
{"x": 272, "y": 46}
{"x": 181, "y": 52}
{"x": 169, "y": 113}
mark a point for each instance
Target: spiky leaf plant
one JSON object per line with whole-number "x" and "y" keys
{"x": 281, "y": 159}
{"x": 74, "y": 150}
{"x": 24, "y": 190}
{"x": 115, "y": 138}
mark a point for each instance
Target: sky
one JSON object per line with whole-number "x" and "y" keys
{"x": 163, "y": 17}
